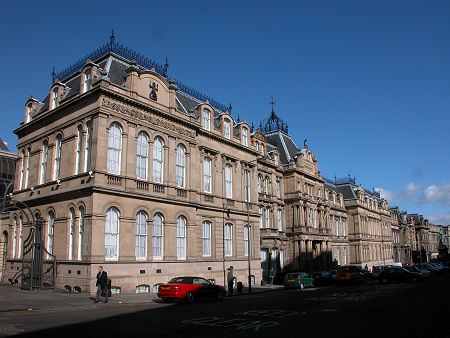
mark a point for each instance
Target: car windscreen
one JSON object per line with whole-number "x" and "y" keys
{"x": 182, "y": 280}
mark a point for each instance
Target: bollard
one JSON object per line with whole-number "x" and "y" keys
{"x": 239, "y": 288}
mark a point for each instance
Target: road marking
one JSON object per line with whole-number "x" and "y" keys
{"x": 237, "y": 323}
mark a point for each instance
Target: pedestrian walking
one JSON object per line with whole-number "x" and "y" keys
{"x": 102, "y": 281}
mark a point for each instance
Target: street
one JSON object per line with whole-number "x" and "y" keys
{"x": 367, "y": 310}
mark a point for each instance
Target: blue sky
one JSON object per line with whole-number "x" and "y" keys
{"x": 366, "y": 82}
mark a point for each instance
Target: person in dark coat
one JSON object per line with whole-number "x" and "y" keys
{"x": 102, "y": 280}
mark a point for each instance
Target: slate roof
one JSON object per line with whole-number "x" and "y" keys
{"x": 284, "y": 144}
{"x": 3, "y": 146}
{"x": 116, "y": 67}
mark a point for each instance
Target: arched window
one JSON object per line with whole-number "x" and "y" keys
{"x": 207, "y": 175}
{"x": 228, "y": 239}
{"x": 55, "y": 98}
{"x": 44, "y": 158}
{"x": 57, "y": 164}
{"x": 142, "y": 156}
{"x": 181, "y": 166}
{"x": 267, "y": 217}
{"x": 112, "y": 227}
{"x": 141, "y": 235}
{"x": 246, "y": 239}
{"x": 279, "y": 220}
{"x": 158, "y": 160}
{"x": 80, "y": 232}
{"x": 245, "y": 136}
{"x": 71, "y": 232}
{"x": 281, "y": 259}
{"x": 259, "y": 183}
{"x": 78, "y": 154}
{"x": 14, "y": 238}
{"x": 22, "y": 170}
{"x": 246, "y": 185}
{"x": 29, "y": 112}
{"x": 87, "y": 150}
{"x": 228, "y": 181}
{"x": 261, "y": 221}
{"x": 19, "y": 250}
{"x": 87, "y": 80}
{"x": 206, "y": 119}
{"x": 158, "y": 236}
{"x": 278, "y": 189}
{"x": 181, "y": 237}
{"x": 114, "y": 148}
{"x": 50, "y": 232}
{"x": 226, "y": 129}
{"x": 276, "y": 159}
{"x": 206, "y": 236}
{"x": 27, "y": 171}
{"x": 257, "y": 146}
{"x": 266, "y": 185}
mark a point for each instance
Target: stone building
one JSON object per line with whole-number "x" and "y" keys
{"x": 7, "y": 172}
{"x": 369, "y": 224}
{"x": 139, "y": 173}
{"x": 404, "y": 240}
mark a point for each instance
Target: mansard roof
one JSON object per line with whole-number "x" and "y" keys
{"x": 116, "y": 59}
{"x": 3, "y": 146}
{"x": 347, "y": 187}
{"x": 284, "y": 144}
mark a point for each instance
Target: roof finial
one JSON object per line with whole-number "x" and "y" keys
{"x": 238, "y": 119}
{"x": 53, "y": 74}
{"x": 112, "y": 38}
{"x": 166, "y": 67}
{"x": 272, "y": 102}
{"x": 230, "y": 107}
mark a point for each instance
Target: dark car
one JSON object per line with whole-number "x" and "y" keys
{"x": 399, "y": 275}
{"x": 412, "y": 268}
{"x": 429, "y": 267}
{"x": 323, "y": 278}
{"x": 190, "y": 289}
{"x": 350, "y": 274}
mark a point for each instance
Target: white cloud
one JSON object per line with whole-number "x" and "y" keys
{"x": 409, "y": 191}
{"x": 437, "y": 194}
{"x": 442, "y": 219}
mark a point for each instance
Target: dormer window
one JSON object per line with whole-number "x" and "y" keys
{"x": 257, "y": 146}
{"x": 226, "y": 129}
{"x": 245, "y": 136}
{"x": 262, "y": 149}
{"x": 275, "y": 158}
{"x": 55, "y": 98}
{"x": 87, "y": 80}
{"x": 206, "y": 119}
{"x": 29, "y": 111}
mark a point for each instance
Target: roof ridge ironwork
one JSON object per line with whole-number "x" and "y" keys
{"x": 143, "y": 61}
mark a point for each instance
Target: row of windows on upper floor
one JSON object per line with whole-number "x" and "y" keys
{"x": 75, "y": 236}
{"x": 82, "y": 164}
{"x": 56, "y": 96}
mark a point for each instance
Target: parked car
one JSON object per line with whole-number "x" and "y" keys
{"x": 398, "y": 274}
{"x": 350, "y": 274}
{"x": 376, "y": 270}
{"x": 412, "y": 268}
{"x": 433, "y": 270}
{"x": 190, "y": 289}
{"x": 298, "y": 280}
{"x": 323, "y": 278}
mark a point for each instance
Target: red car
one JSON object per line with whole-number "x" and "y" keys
{"x": 190, "y": 288}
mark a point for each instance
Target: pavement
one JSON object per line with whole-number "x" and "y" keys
{"x": 13, "y": 298}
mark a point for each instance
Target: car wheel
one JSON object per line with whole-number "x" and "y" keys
{"x": 220, "y": 295}
{"x": 165, "y": 300}
{"x": 189, "y": 297}
{"x": 383, "y": 281}
{"x": 302, "y": 286}
{"x": 414, "y": 280}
